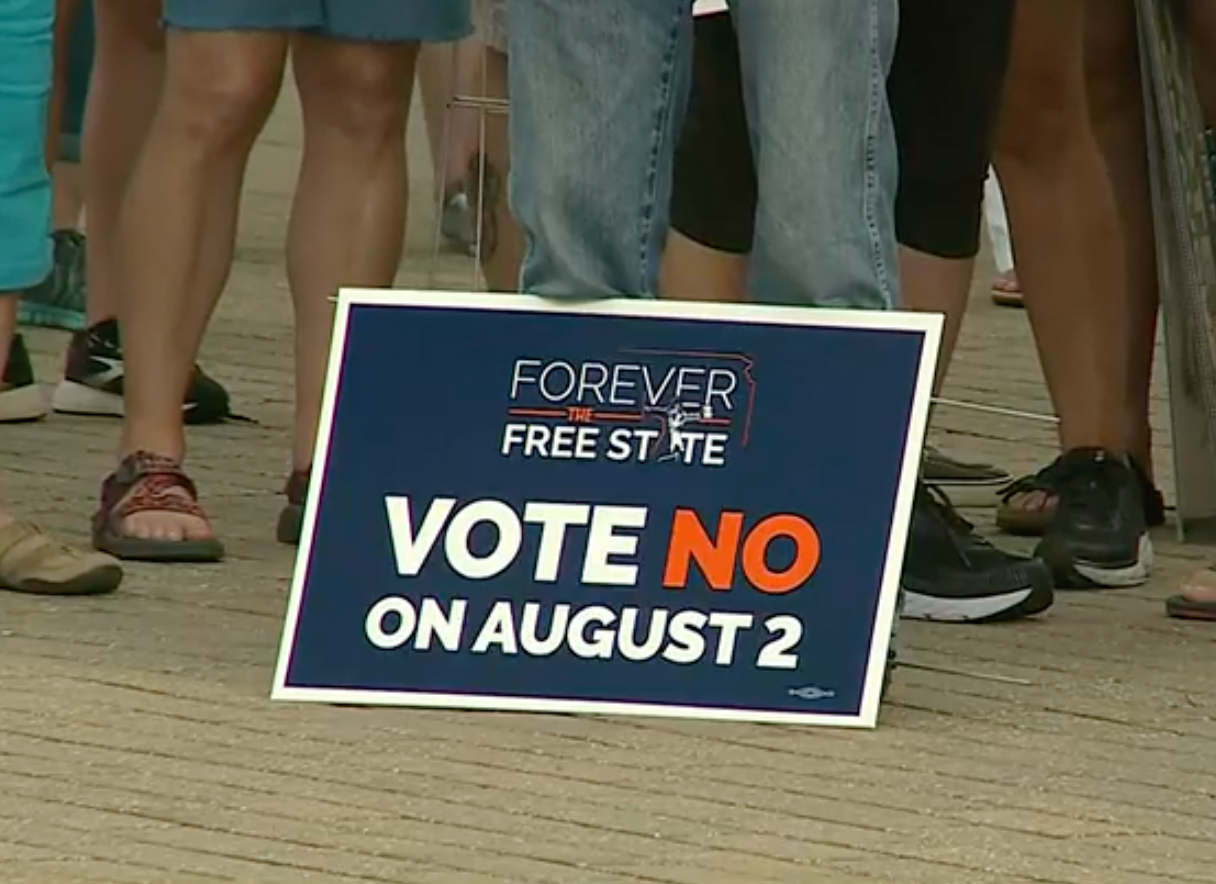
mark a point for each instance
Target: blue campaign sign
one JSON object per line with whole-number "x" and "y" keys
{"x": 623, "y": 506}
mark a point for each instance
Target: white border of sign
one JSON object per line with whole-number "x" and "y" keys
{"x": 930, "y": 325}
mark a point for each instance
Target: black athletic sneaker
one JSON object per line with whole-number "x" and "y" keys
{"x": 21, "y": 398}
{"x": 93, "y": 380}
{"x": 953, "y": 574}
{"x": 1099, "y": 534}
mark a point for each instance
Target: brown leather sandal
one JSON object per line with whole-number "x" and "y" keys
{"x": 150, "y": 483}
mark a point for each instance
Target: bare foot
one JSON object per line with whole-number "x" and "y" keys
{"x": 1197, "y": 601}
{"x": 150, "y": 512}
{"x": 1006, "y": 290}
{"x": 1033, "y": 503}
{"x": 1007, "y": 282}
{"x": 1026, "y": 512}
{"x": 1200, "y": 587}
{"x": 172, "y": 523}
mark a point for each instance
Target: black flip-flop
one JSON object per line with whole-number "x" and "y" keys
{"x": 1183, "y": 607}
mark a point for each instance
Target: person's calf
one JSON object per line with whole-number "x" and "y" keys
{"x": 932, "y": 284}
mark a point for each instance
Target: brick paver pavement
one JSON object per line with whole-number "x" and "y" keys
{"x": 137, "y": 743}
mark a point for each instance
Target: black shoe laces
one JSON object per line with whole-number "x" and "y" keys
{"x": 961, "y": 532}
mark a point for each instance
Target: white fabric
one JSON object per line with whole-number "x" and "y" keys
{"x": 708, "y": 7}
{"x": 998, "y": 224}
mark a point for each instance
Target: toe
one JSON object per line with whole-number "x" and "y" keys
{"x": 1200, "y": 586}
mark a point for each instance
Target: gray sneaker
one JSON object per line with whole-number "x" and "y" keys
{"x": 59, "y": 300}
{"x": 968, "y": 484}
{"x": 458, "y": 224}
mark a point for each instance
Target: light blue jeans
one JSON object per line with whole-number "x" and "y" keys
{"x": 598, "y": 91}
{"x": 25, "y": 188}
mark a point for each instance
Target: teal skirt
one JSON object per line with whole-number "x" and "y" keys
{"x": 26, "y": 47}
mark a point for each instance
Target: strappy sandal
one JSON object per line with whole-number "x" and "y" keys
{"x": 1007, "y": 291}
{"x": 150, "y": 483}
{"x": 1187, "y": 607}
{"x": 1012, "y": 518}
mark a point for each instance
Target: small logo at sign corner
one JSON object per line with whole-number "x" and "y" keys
{"x": 811, "y": 693}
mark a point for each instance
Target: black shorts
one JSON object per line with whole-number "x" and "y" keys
{"x": 944, "y": 88}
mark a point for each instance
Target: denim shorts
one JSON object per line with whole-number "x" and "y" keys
{"x": 381, "y": 21}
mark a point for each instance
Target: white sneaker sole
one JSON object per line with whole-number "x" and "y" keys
{"x": 1119, "y": 578}
{"x": 22, "y": 404}
{"x": 918, "y": 606}
{"x": 73, "y": 398}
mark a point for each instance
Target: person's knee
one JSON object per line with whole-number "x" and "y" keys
{"x": 220, "y": 106}
{"x": 363, "y": 100}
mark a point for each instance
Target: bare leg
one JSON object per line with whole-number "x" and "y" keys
{"x": 446, "y": 70}
{"x": 68, "y": 206}
{"x": 502, "y": 246}
{"x": 128, "y": 69}
{"x": 1065, "y": 221}
{"x": 64, "y": 15}
{"x": 8, "y": 324}
{"x": 67, "y": 193}
{"x": 348, "y": 220}
{"x": 937, "y": 285}
{"x": 219, "y": 89}
{"x": 436, "y": 69}
{"x": 1116, "y": 112}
